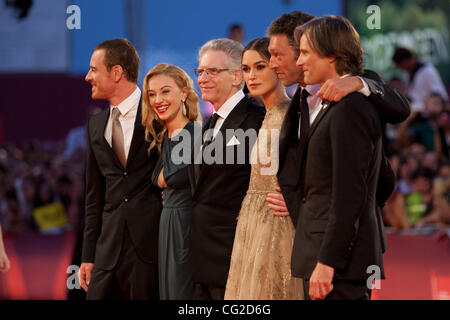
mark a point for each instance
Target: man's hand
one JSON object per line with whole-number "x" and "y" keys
{"x": 84, "y": 275}
{"x": 336, "y": 89}
{"x": 276, "y": 202}
{"x": 321, "y": 281}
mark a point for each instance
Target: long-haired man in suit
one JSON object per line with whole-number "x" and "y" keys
{"x": 337, "y": 238}
{"x": 219, "y": 187}
{"x": 119, "y": 259}
{"x": 391, "y": 105}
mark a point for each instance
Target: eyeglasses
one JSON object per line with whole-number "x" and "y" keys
{"x": 209, "y": 71}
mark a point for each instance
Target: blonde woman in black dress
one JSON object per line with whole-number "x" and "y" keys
{"x": 169, "y": 114}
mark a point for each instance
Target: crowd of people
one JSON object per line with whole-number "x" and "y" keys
{"x": 41, "y": 190}
{"x": 205, "y": 237}
{"x": 418, "y": 149}
{"x": 40, "y": 177}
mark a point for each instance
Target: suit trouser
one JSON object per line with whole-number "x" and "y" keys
{"x": 130, "y": 279}
{"x": 344, "y": 290}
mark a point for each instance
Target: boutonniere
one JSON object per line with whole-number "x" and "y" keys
{"x": 326, "y": 104}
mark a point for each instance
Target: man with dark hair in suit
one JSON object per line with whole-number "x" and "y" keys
{"x": 337, "y": 237}
{"x": 219, "y": 187}
{"x": 391, "y": 105}
{"x": 119, "y": 259}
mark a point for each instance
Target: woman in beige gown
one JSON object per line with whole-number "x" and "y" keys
{"x": 261, "y": 258}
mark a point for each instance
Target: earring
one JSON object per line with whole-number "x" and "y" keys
{"x": 184, "y": 109}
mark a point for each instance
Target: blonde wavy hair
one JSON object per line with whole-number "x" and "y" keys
{"x": 155, "y": 129}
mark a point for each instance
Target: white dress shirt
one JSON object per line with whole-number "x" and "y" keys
{"x": 128, "y": 111}
{"x": 226, "y": 108}
{"x": 314, "y": 104}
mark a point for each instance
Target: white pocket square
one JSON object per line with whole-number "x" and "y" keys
{"x": 233, "y": 142}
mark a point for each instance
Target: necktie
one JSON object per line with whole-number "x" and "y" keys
{"x": 304, "y": 116}
{"x": 117, "y": 137}
{"x": 212, "y": 124}
{"x": 304, "y": 126}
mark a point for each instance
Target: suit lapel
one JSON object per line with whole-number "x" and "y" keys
{"x": 136, "y": 141}
{"x": 138, "y": 136}
{"x": 103, "y": 118}
{"x": 103, "y": 121}
{"x": 235, "y": 118}
{"x": 233, "y": 121}
{"x": 322, "y": 113}
{"x": 290, "y": 121}
{"x": 313, "y": 127}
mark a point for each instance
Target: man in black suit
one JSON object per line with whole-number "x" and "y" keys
{"x": 337, "y": 237}
{"x": 119, "y": 259}
{"x": 391, "y": 105}
{"x": 219, "y": 186}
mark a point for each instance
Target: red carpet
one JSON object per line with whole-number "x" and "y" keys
{"x": 38, "y": 266}
{"x": 13, "y": 282}
{"x": 417, "y": 267}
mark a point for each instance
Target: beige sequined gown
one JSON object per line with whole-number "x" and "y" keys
{"x": 261, "y": 258}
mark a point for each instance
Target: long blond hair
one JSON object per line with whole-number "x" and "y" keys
{"x": 155, "y": 133}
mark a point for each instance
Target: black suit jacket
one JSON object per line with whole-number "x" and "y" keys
{"x": 338, "y": 223}
{"x": 118, "y": 197}
{"x": 218, "y": 191}
{"x": 392, "y": 108}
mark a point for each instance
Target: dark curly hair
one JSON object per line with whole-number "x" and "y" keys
{"x": 286, "y": 25}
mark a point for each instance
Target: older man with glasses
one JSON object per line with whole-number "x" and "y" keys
{"x": 219, "y": 187}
